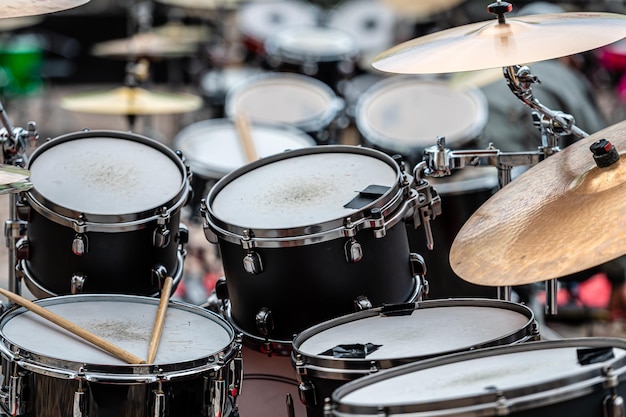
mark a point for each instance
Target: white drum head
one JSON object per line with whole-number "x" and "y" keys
{"x": 405, "y": 114}
{"x": 125, "y": 321}
{"x": 283, "y": 98}
{"x": 107, "y": 176}
{"x": 371, "y": 23}
{"x": 472, "y": 378}
{"x": 426, "y": 332}
{"x": 261, "y": 19}
{"x": 212, "y": 148}
{"x": 316, "y": 43}
{"x": 299, "y": 191}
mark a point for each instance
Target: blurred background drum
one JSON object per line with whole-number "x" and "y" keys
{"x": 292, "y": 99}
{"x": 216, "y": 83}
{"x": 326, "y": 53}
{"x": 212, "y": 149}
{"x": 103, "y": 215}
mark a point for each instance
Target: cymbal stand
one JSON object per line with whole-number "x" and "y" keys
{"x": 14, "y": 145}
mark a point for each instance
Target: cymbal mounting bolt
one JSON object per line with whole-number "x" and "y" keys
{"x": 500, "y": 8}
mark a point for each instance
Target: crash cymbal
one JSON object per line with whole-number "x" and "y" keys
{"x": 131, "y": 101}
{"x": 490, "y": 44}
{"x": 20, "y": 8}
{"x": 13, "y": 179}
{"x": 561, "y": 216}
{"x": 421, "y": 8}
{"x": 148, "y": 45}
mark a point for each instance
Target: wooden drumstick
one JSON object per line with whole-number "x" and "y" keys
{"x": 243, "y": 132}
{"x": 73, "y": 328}
{"x": 166, "y": 291}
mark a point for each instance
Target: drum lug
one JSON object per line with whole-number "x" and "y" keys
{"x": 161, "y": 235}
{"x": 22, "y": 249}
{"x": 79, "y": 405}
{"x": 80, "y": 244}
{"x": 306, "y": 391}
{"x": 220, "y": 396}
{"x": 362, "y": 303}
{"x": 221, "y": 290}
{"x": 264, "y": 321}
{"x": 77, "y": 283}
{"x": 16, "y": 404}
{"x": 354, "y": 251}
{"x": 378, "y": 223}
{"x": 252, "y": 263}
{"x": 418, "y": 264}
{"x": 158, "y": 273}
{"x": 22, "y": 210}
{"x": 159, "y": 401}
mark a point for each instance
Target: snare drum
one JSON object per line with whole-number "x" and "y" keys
{"x": 405, "y": 114}
{"x": 326, "y": 53}
{"x": 212, "y": 148}
{"x": 308, "y": 235}
{"x": 259, "y": 20}
{"x": 49, "y": 371}
{"x": 575, "y": 377}
{"x": 293, "y": 99}
{"x": 349, "y": 347}
{"x": 103, "y": 215}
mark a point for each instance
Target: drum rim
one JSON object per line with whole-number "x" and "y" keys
{"x": 315, "y": 124}
{"x": 275, "y": 49}
{"x": 107, "y": 222}
{"x": 492, "y": 405}
{"x": 371, "y": 135}
{"x": 331, "y": 229}
{"x": 48, "y": 365}
{"x": 347, "y": 368}
{"x": 206, "y": 171}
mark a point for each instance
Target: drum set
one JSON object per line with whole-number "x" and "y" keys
{"x": 325, "y": 289}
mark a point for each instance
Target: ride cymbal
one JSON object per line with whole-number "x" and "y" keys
{"x": 20, "y": 8}
{"x": 490, "y": 44}
{"x": 132, "y": 101}
{"x": 147, "y": 45}
{"x": 561, "y": 216}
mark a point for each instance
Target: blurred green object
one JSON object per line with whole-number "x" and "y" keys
{"x": 21, "y": 59}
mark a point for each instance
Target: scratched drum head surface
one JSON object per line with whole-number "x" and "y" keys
{"x": 212, "y": 148}
{"x": 126, "y": 321}
{"x": 515, "y": 374}
{"x": 105, "y": 175}
{"x": 405, "y": 113}
{"x": 301, "y": 190}
{"x": 425, "y": 332}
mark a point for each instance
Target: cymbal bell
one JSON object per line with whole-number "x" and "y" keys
{"x": 20, "y": 8}
{"x": 132, "y": 102}
{"x": 561, "y": 216}
{"x": 490, "y": 44}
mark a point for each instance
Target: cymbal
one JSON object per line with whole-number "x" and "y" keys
{"x": 132, "y": 101}
{"x": 489, "y": 44}
{"x": 179, "y": 32}
{"x": 561, "y": 216}
{"x": 13, "y": 179}
{"x": 20, "y": 8}
{"x": 148, "y": 45}
{"x": 421, "y": 8}
{"x": 7, "y": 25}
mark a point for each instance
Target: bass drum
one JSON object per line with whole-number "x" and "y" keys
{"x": 309, "y": 235}
{"x": 212, "y": 149}
{"x": 292, "y": 99}
{"x": 576, "y": 377}
{"x": 330, "y": 354}
{"x": 405, "y": 114}
{"x": 48, "y": 371}
{"x": 103, "y": 215}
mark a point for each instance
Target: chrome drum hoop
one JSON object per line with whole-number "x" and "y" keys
{"x": 395, "y": 205}
{"x": 108, "y": 223}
